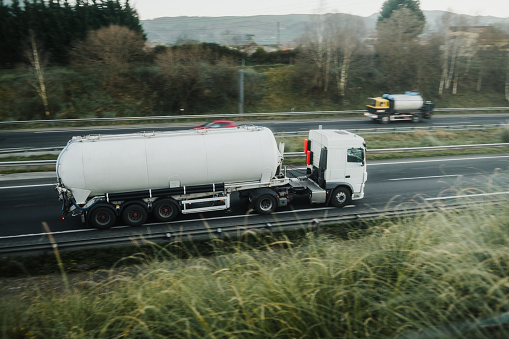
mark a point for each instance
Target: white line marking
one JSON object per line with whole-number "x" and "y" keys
{"x": 429, "y": 177}
{"x": 43, "y": 234}
{"x": 467, "y": 196}
{"x": 26, "y": 186}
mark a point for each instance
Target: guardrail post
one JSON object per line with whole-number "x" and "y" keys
{"x": 316, "y": 223}
{"x": 220, "y": 231}
{"x": 269, "y": 226}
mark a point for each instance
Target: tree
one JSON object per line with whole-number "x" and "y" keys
{"x": 58, "y": 25}
{"x": 390, "y": 6}
{"x": 347, "y": 38}
{"x": 38, "y": 61}
{"x": 195, "y": 76}
{"x": 316, "y": 50}
{"x": 111, "y": 48}
{"x": 397, "y": 49}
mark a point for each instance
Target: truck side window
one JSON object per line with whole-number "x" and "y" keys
{"x": 355, "y": 155}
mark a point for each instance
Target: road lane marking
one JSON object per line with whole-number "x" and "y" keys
{"x": 26, "y": 186}
{"x": 429, "y": 177}
{"x": 467, "y": 196}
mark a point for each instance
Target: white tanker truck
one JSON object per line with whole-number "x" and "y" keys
{"x": 392, "y": 107}
{"x": 162, "y": 174}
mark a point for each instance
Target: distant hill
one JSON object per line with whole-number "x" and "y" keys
{"x": 271, "y": 29}
{"x": 263, "y": 29}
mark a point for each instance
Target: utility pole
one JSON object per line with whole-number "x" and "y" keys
{"x": 278, "y": 35}
{"x": 241, "y": 89}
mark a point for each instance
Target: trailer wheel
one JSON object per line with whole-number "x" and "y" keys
{"x": 341, "y": 197}
{"x": 265, "y": 204}
{"x": 102, "y": 217}
{"x": 165, "y": 210}
{"x": 385, "y": 119}
{"x": 135, "y": 214}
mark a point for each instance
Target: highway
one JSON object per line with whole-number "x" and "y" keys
{"x": 58, "y": 137}
{"x": 26, "y": 202}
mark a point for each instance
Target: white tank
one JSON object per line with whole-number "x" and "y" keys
{"x": 95, "y": 165}
{"x": 406, "y": 102}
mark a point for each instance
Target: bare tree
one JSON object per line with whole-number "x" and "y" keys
{"x": 507, "y": 78}
{"x": 346, "y": 37}
{"x": 188, "y": 72}
{"x": 38, "y": 61}
{"x": 460, "y": 47}
{"x": 316, "y": 50}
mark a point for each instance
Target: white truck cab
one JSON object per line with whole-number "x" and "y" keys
{"x": 336, "y": 162}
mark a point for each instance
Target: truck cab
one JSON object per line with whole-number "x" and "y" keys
{"x": 336, "y": 162}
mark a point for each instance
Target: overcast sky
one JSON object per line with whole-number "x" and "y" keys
{"x": 150, "y": 9}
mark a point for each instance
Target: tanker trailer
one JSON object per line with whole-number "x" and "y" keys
{"x": 163, "y": 174}
{"x": 392, "y": 107}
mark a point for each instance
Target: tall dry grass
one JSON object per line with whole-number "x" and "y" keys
{"x": 439, "y": 275}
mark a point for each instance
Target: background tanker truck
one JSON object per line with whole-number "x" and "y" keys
{"x": 391, "y": 107}
{"x": 162, "y": 174}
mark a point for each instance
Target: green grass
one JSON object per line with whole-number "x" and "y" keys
{"x": 418, "y": 139}
{"x": 438, "y": 275}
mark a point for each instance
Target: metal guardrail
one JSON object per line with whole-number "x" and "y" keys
{"x": 399, "y": 129}
{"x": 295, "y": 154}
{"x": 186, "y": 117}
{"x": 233, "y": 115}
{"x": 28, "y": 163}
{"x": 414, "y": 149}
{"x": 305, "y": 133}
{"x": 31, "y": 244}
{"x": 27, "y": 150}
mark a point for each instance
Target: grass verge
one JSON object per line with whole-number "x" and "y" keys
{"x": 437, "y": 275}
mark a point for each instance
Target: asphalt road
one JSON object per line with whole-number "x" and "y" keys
{"x": 59, "y": 137}
{"x": 26, "y": 202}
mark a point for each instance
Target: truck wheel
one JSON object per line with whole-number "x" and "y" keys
{"x": 165, "y": 210}
{"x": 135, "y": 215}
{"x": 341, "y": 197}
{"x": 384, "y": 119}
{"x": 265, "y": 204}
{"x": 102, "y": 217}
{"x": 417, "y": 117}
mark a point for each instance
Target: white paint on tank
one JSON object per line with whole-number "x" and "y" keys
{"x": 406, "y": 102}
{"x": 131, "y": 162}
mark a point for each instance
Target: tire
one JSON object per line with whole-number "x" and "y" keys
{"x": 341, "y": 197}
{"x": 102, "y": 217}
{"x": 265, "y": 204}
{"x": 165, "y": 210}
{"x": 384, "y": 119}
{"x": 417, "y": 117}
{"x": 135, "y": 214}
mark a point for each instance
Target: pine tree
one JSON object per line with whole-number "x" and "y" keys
{"x": 390, "y": 6}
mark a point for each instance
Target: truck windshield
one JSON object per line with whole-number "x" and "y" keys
{"x": 371, "y": 102}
